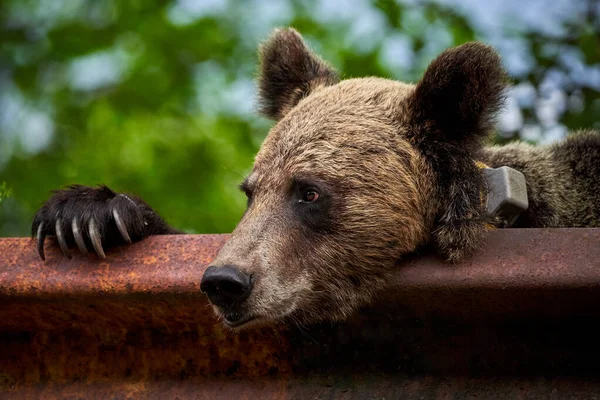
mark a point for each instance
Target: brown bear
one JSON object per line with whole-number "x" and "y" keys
{"x": 355, "y": 175}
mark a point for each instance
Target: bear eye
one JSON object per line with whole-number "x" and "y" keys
{"x": 309, "y": 196}
{"x": 312, "y": 203}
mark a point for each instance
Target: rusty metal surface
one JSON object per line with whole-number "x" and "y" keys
{"x": 159, "y": 264}
{"x": 349, "y": 387}
{"x": 134, "y": 324}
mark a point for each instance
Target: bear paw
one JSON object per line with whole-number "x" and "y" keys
{"x": 90, "y": 218}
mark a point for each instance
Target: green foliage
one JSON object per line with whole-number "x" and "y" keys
{"x": 5, "y": 192}
{"x": 152, "y": 99}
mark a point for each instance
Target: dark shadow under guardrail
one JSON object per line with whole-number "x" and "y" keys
{"x": 519, "y": 315}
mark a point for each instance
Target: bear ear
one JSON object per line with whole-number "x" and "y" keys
{"x": 450, "y": 113}
{"x": 459, "y": 95}
{"x": 289, "y": 71}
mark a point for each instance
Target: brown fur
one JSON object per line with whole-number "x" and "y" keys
{"x": 394, "y": 166}
{"x": 563, "y": 179}
{"x": 396, "y": 162}
{"x": 374, "y": 217}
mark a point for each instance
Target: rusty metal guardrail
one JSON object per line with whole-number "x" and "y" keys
{"x": 516, "y": 320}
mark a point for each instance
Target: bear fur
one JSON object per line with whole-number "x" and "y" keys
{"x": 355, "y": 175}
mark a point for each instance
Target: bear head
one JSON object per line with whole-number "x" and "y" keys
{"x": 354, "y": 175}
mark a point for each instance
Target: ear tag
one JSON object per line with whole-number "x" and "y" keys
{"x": 507, "y": 193}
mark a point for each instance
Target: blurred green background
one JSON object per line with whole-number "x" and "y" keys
{"x": 157, "y": 98}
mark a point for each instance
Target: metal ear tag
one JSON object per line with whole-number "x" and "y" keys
{"x": 507, "y": 193}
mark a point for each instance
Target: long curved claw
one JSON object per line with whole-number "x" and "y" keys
{"x": 41, "y": 237}
{"x": 78, "y": 238}
{"x": 95, "y": 237}
{"x": 121, "y": 225}
{"x": 61, "y": 239}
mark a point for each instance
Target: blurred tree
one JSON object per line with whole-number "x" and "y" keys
{"x": 4, "y": 192}
{"x": 156, "y": 97}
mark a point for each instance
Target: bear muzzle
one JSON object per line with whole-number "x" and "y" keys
{"x": 227, "y": 287}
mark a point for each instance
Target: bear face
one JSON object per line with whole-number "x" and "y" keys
{"x": 354, "y": 175}
{"x": 335, "y": 197}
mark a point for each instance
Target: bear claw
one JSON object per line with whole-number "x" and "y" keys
{"x": 61, "y": 239}
{"x": 78, "y": 238}
{"x": 41, "y": 237}
{"x": 121, "y": 225}
{"x": 95, "y": 237}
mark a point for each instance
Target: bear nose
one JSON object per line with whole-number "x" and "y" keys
{"x": 226, "y": 285}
